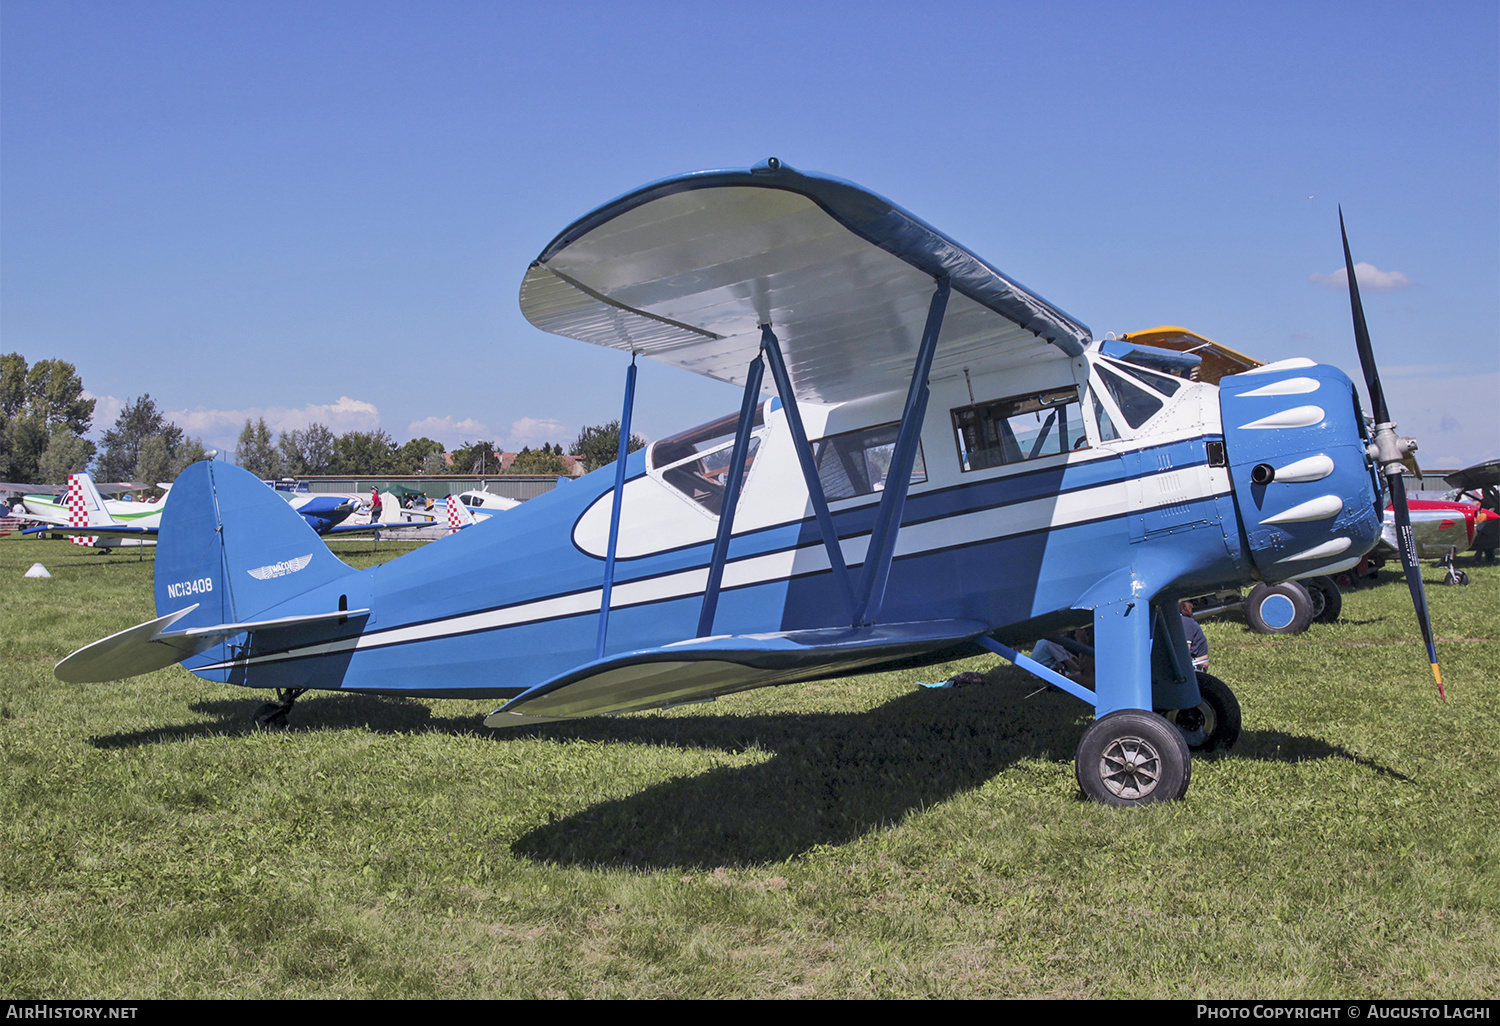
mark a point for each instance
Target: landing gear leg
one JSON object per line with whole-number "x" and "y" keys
{"x": 273, "y": 715}
{"x": 1454, "y": 575}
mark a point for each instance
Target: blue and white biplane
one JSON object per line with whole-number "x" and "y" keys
{"x": 948, "y": 463}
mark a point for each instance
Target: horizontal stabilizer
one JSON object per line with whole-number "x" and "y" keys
{"x": 94, "y": 532}
{"x": 393, "y": 526}
{"x": 705, "y": 668}
{"x": 152, "y": 646}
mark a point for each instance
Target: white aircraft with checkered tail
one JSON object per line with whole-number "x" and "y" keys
{"x": 949, "y": 464}
{"x": 87, "y": 518}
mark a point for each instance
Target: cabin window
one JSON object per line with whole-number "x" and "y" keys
{"x": 696, "y": 462}
{"x": 856, "y": 462}
{"x": 1017, "y": 429}
{"x": 1135, "y": 403}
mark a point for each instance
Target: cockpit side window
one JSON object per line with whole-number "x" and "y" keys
{"x": 1019, "y": 428}
{"x": 696, "y": 462}
{"x": 856, "y": 462}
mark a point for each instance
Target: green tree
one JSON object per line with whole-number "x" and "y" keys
{"x": 598, "y": 446}
{"x": 412, "y": 457}
{"x": 255, "y": 451}
{"x": 478, "y": 458}
{"x": 36, "y": 401}
{"x": 538, "y": 461}
{"x": 307, "y": 452}
{"x": 66, "y": 454}
{"x": 138, "y": 421}
{"x": 364, "y": 452}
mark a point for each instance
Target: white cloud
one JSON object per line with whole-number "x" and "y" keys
{"x": 528, "y": 431}
{"x": 1369, "y": 277}
{"x": 106, "y": 411}
{"x": 533, "y": 431}
{"x": 220, "y": 429}
{"x": 451, "y": 431}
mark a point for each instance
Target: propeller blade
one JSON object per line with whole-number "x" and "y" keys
{"x": 1362, "y": 334}
{"x": 1408, "y": 548}
{"x": 1392, "y": 454}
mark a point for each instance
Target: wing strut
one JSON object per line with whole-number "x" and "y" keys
{"x": 772, "y": 349}
{"x": 898, "y": 477}
{"x": 614, "y": 513}
{"x": 731, "y": 495}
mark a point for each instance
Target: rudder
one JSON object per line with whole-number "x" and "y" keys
{"x": 235, "y": 547}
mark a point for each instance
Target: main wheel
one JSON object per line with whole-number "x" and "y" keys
{"x": 1133, "y": 757}
{"x": 1328, "y": 600}
{"x": 1214, "y": 722}
{"x": 1284, "y": 608}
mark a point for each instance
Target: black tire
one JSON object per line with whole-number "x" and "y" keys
{"x": 1328, "y": 600}
{"x": 1284, "y": 608}
{"x": 1133, "y": 757}
{"x": 1215, "y": 723}
{"x": 1456, "y": 577}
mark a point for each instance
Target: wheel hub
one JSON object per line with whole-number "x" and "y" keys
{"x": 1130, "y": 767}
{"x": 1196, "y": 724}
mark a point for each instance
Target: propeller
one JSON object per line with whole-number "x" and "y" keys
{"x": 1391, "y": 455}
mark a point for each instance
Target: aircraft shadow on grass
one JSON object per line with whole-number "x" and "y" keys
{"x": 831, "y": 777}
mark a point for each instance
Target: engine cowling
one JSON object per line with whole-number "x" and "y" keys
{"x": 1306, "y": 490}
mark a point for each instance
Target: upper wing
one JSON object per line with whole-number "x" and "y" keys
{"x": 1481, "y": 475}
{"x": 687, "y": 269}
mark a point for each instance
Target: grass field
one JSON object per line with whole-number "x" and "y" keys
{"x": 853, "y": 838}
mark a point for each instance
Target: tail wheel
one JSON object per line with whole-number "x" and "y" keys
{"x": 1284, "y": 608}
{"x": 1133, "y": 757}
{"x": 1215, "y": 722}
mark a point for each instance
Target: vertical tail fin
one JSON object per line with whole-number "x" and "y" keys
{"x": 236, "y": 548}
{"x": 458, "y": 515}
{"x": 85, "y": 507}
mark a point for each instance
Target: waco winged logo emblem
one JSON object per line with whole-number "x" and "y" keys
{"x": 286, "y": 566}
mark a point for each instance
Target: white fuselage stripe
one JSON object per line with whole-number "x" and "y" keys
{"x": 1172, "y": 487}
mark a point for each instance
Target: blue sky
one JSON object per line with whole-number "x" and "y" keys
{"x": 322, "y": 211}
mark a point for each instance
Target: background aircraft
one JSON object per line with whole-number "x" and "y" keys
{"x": 950, "y": 464}
{"x": 90, "y": 519}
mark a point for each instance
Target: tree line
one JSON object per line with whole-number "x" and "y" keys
{"x": 44, "y": 416}
{"x": 316, "y": 450}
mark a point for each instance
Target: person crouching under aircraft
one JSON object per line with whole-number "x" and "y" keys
{"x": 1074, "y": 666}
{"x": 1197, "y": 643}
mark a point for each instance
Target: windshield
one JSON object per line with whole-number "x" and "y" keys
{"x": 696, "y": 462}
